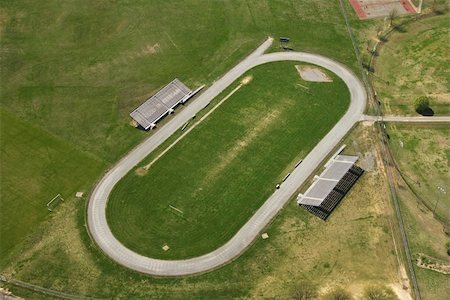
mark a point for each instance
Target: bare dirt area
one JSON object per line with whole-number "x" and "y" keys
{"x": 7, "y": 295}
{"x": 246, "y": 79}
{"x": 401, "y": 293}
{"x": 311, "y": 73}
{"x": 427, "y": 262}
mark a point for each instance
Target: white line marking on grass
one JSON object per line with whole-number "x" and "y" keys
{"x": 176, "y": 209}
{"x": 173, "y": 43}
{"x": 193, "y": 126}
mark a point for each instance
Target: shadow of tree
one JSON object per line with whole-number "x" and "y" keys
{"x": 400, "y": 28}
{"x": 427, "y": 112}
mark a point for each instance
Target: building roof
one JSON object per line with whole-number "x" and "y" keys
{"x": 334, "y": 171}
{"x": 149, "y": 112}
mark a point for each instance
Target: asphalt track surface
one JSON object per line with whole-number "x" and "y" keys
{"x": 96, "y": 212}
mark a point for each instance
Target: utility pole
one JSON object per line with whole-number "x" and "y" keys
{"x": 420, "y": 7}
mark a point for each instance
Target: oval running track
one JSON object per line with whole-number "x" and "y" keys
{"x": 96, "y": 211}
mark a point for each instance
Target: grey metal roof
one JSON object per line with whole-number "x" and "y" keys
{"x": 149, "y": 112}
{"x": 320, "y": 189}
{"x": 171, "y": 94}
{"x": 325, "y": 183}
{"x": 348, "y": 158}
{"x": 336, "y": 170}
{"x": 310, "y": 201}
{"x": 159, "y": 104}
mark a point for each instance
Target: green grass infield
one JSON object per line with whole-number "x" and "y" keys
{"x": 225, "y": 168}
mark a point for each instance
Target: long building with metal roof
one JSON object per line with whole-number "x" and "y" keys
{"x": 160, "y": 104}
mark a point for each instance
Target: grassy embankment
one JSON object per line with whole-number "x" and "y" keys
{"x": 415, "y": 62}
{"x": 423, "y": 156}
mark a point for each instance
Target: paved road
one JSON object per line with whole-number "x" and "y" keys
{"x": 414, "y": 119}
{"x": 98, "y": 226}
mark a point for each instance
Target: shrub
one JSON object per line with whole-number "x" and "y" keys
{"x": 422, "y": 104}
{"x": 304, "y": 291}
{"x": 379, "y": 293}
{"x": 338, "y": 294}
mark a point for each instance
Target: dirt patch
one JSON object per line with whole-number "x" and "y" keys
{"x": 246, "y": 79}
{"x": 427, "y": 262}
{"x": 149, "y": 49}
{"x": 7, "y": 295}
{"x": 367, "y": 123}
{"x": 125, "y": 58}
{"x": 4, "y": 19}
{"x": 141, "y": 171}
{"x": 310, "y": 73}
{"x": 401, "y": 293}
{"x": 367, "y": 161}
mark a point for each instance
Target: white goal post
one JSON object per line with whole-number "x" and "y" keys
{"x": 54, "y": 202}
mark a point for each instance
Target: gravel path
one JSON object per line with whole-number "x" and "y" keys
{"x": 98, "y": 225}
{"x": 413, "y": 119}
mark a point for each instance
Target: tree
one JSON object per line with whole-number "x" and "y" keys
{"x": 422, "y": 105}
{"x": 392, "y": 16}
{"x": 338, "y": 294}
{"x": 436, "y": 9}
{"x": 380, "y": 35}
{"x": 379, "y": 293}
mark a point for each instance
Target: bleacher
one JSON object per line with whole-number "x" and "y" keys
{"x": 160, "y": 104}
{"x": 324, "y": 195}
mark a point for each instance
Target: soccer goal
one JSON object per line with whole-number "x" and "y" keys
{"x": 54, "y": 202}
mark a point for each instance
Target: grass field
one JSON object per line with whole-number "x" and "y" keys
{"x": 223, "y": 170}
{"x": 78, "y": 68}
{"x": 75, "y": 69}
{"x": 353, "y": 250}
{"x": 423, "y": 155}
{"x": 28, "y": 184}
{"x": 424, "y": 158}
{"x": 413, "y": 63}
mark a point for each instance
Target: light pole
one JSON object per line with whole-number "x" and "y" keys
{"x": 420, "y": 7}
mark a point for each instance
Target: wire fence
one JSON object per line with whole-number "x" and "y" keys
{"x": 43, "y": 290}
{"x": 388, "y": 159}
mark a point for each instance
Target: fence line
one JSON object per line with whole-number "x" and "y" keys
{"x": 43, "y": 290}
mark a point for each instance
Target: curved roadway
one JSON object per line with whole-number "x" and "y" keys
{"x": 96, "y": 212}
